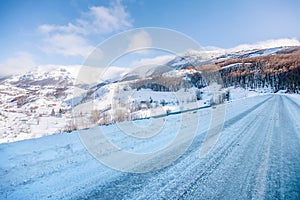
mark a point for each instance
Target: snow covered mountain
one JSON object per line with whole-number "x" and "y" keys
{"x": 34, "y": 104}
{"x": 50, "y": 100}
{"x": 194, "y": 58}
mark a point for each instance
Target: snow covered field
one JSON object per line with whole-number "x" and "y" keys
{"x": 256, "y": 157}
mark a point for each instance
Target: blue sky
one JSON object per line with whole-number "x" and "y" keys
{"x": 62, "y": 31}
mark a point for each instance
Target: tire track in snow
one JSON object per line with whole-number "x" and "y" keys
{"x": 245, "y": 134}
{"x": 284, "y": 180}
{"x": 261, "y": 177}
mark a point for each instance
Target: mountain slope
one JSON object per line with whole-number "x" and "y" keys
{"x": 48, "y": 101}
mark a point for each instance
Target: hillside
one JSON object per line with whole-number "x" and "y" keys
{"x": 49, "y": 100}
{"x": 280, "y": 71}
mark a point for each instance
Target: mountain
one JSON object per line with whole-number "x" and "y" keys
{"x": 30, "y": 102}
{"x": 50, "y": 100}
{"x": 271, "y": 69}
{"x": 277, "y": 69}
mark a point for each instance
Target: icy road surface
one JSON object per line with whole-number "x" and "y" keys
{"x": 256, "y": 157}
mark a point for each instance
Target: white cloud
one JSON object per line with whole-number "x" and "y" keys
{"x": 139, "y": 40}
{"x": 16, "y": 65}
{"x": 98, "y": 20}
{"x": 91, "y": 75}
{"x": 70, "y": 28}
{"x": 72, "y": 39}
{"x": 159, "y": 60}
{"x": 67, "y": 45}
{"x": 104, "y": 20}
{"x": 113, "y": 72}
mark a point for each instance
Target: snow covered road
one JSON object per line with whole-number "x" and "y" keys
{"x": 256, "y": 157}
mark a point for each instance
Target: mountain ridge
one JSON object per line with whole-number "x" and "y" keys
{"x": 51, "y": 100}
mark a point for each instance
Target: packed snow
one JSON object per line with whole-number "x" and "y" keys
{"x": 257, "y": 149}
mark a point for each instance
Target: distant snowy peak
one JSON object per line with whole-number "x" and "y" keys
{"x": 198, "y": 58}
{"x": 194, "y": 58}
{"x": 250, "y": 53}
{"x": 268, "y": 44}
{"x": 190, "y": 58}
{"x": 46, "y": 75}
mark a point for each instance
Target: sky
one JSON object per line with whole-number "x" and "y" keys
{"x": 64, "y": 32}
